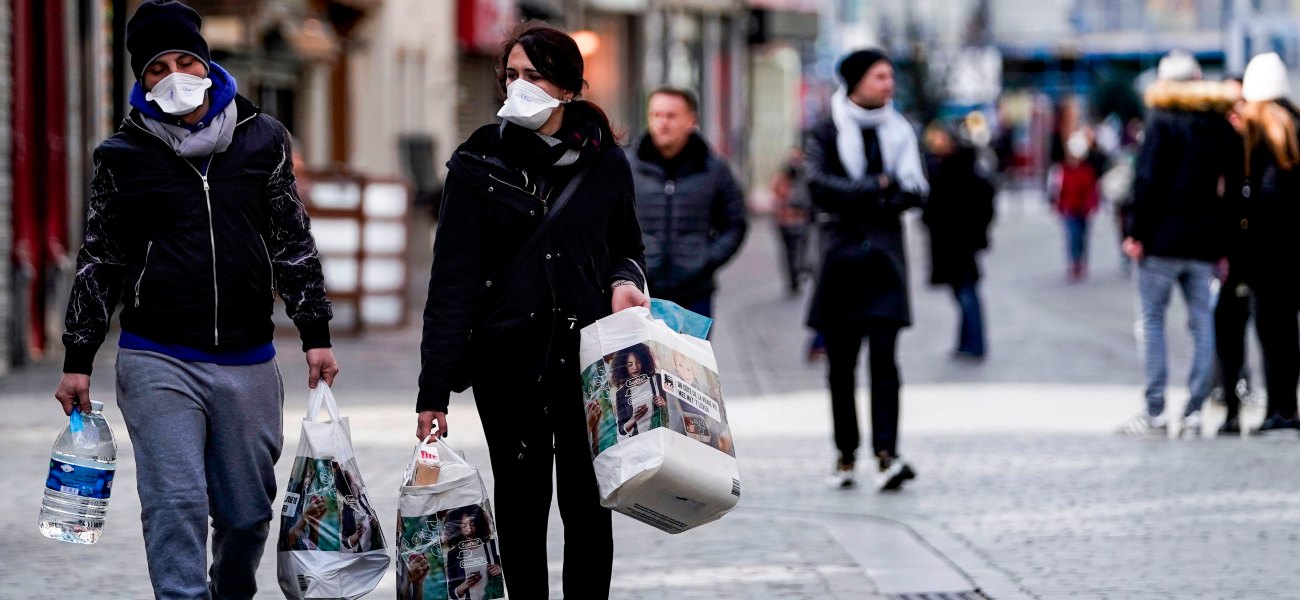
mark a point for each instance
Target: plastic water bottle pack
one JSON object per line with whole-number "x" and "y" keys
{"x": 80, "y": 480}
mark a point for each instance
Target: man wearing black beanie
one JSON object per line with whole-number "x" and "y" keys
{"x": 200, "y": 244}
{"x": 863, "y": 167}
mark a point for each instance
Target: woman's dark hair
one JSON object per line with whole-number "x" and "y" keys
{"x": 643, "y": 356}
{"x": 451, "y": 529}
{"x": 556, "y": 57}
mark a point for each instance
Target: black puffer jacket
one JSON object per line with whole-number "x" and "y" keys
{"x": 692, "y": 220}
{"x": 958, "y": 213}
{"x": 200, "y": 258}
{"x": 1188, "y": 148}
{"x": 863, "y": 274}
{"x": 490, "y": 209}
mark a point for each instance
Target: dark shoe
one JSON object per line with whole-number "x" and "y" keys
{"x": 1231, "y": 426}
{"x": 1276, "y": 423}
{"x": 894, "y": 472}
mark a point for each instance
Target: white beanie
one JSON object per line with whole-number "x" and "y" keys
{"x": 1265, "y": 79}
{"x": 1178, "y": 65}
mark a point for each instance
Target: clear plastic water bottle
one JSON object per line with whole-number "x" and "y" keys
{"x": 82, "y": 465}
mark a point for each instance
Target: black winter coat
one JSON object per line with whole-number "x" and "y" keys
{"x": 692, "y": 223}
{"x": 1264, "y": 245}
{"x": 958, "y": 213}
{"x": 490, "y": 209}
{"x": 1188, "y": 147}
{"x": 200, "y": 258}
{"x": 863, "y": 274}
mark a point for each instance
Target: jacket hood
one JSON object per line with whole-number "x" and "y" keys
{"x": 1190, "y": 96}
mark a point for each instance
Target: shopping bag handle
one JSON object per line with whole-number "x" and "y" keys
{"x": 645, "y": 285}
{"x": 322, "y": 394}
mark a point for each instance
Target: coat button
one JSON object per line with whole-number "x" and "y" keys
{"x": 561, "y": 361}
{"x": 670, "y": 187}
{"x": 548, "y": 257}
{"x": 491, "y": 189}
{"x": 530, "y": 315}
{"x": 1245, "y": 224}
{"x": 488, "y": 284}
{"x": 532, "y": 213}
{"x": 1245, "y": 191}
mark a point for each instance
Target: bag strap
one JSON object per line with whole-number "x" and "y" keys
{"x": 322, "y": 395}
{"x": 504, "y": 275}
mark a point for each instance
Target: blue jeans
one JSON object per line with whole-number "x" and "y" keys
{"x": 1076, "y": 238}
{"x": 970, "y": 333}
{"x": 1157, "y": 277}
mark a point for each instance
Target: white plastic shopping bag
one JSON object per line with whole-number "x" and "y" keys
{"x": 446, "y": 536}
{"x": 330, "y": 542}
{"x": 656, "y": 422}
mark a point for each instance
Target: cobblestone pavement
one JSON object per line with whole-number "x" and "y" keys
{"x": 1021, "y": 484}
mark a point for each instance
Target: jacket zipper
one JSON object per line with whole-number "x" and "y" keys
{"x": 139, "y": 279}
{"x": 269, "y": 264}
{"x": 212, "y": 235}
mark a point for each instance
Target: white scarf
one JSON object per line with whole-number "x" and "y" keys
{"x": 898, "y": 145}
{"x": 213, "y": 139}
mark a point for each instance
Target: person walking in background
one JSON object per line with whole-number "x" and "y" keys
{"x": 958, "y": 213}
{"x": 691, "y": 211}
{"x": 790, "y": 205}
{"x": 537, "y": 238}
{"x": 1075, "y": 198}
{"x": 864, "y": 169}
{"x": 1265, "y": 217}
{"x": 194, "y": 214}
{"x": 1173, "y": 230}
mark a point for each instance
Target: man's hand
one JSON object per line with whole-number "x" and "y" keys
{"x": 627, "y": 296}
{"x": 1132, "y": 248}
{"x": 425, "y": 424}
{"x": 73, "y": 390}
{"x": 321, "y": 363}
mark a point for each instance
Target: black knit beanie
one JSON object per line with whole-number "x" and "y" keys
{"x": 162, "y": 26}
{"x": 856, "y": 64}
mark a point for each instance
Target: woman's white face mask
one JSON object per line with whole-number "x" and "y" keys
{"x": 179, "y": 94}
{"x": 528, "y": 105}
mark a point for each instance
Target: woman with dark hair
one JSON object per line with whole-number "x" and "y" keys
{"x": 538, "y": 238}
{"x": 638, "y": 399}
{"x": 1265, "y": 249}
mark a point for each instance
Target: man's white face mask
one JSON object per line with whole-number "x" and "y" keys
{"x": 179, "y": 94}
{"x": 528, "y": 105}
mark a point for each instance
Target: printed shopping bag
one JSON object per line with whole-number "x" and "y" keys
{"x": 656, "y": 422}
{"x": 446, "y": 537}
{"x": 330, "y": 542}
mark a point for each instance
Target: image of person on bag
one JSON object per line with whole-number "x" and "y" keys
{"x": 638, "y": 398}
{"x": 473, "y": 566}
{"x": 194, "y": 221}
{"x": 537, "y": 238}
{"x": 863, "y": 166}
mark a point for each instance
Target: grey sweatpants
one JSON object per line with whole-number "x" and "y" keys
{"x": 206, "y": 439}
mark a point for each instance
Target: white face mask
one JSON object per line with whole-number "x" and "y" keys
{"x": 179, "y": 93}
{"x": 528, "y": 105}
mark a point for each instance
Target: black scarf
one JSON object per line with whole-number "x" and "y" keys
{"x": 581, "y": 130}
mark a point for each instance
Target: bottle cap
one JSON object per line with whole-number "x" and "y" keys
{"x": 96, "y": 406}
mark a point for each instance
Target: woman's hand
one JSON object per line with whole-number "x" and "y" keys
{"x": 417, "y": 568}
{"x": 627, "y": 296}
{"x": 426, "y": 422}
{"x": 593, "y": 416}
{"x": 494, "y": 570}
{"x": 640, "y": 411}
{"x": 660, "y": 402}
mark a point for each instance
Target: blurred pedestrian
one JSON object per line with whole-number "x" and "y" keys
{"x": 537, "y": 238}
{"x": 692, "y": 213}
{"x": 864, "y": 169}
{"x": 958, "y": 213}
{"x": 1172, "y": 230}
{"x": 1074, "y": 196}
{"x": 1266, "y": 242}
{"x": 194, "y": 214}
{"x": 790, "y": 205}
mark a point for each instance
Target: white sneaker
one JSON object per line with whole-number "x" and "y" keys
{"x": 894, "y": 474}
{"x": 1143, "y": 424}
{"x": 843, "y": 477}
{"x": 1191, "y": 425}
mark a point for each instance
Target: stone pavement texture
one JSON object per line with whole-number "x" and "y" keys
{"x": 1022, "y": 486}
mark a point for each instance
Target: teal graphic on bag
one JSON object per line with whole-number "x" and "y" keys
{"x": 679, "y": 319}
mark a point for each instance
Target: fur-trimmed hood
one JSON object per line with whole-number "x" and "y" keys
{"x": 1190, "y": 96}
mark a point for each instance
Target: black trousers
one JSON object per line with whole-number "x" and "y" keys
{"x": 1279, "y": 339}
{"x": 1231, "y": 315}
{"x": 842, "y": 349}
{"x": 530, "y": 427}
